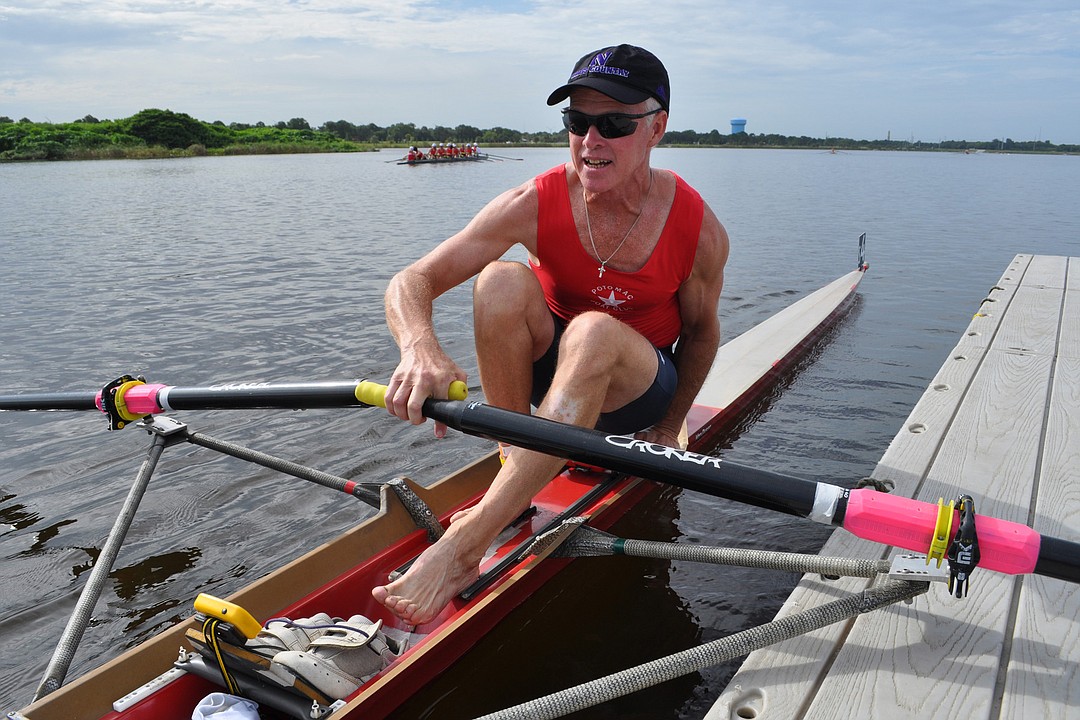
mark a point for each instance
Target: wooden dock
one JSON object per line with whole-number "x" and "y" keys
{"x": 1000, "y": 422}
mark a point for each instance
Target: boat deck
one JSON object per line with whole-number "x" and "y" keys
{"x": 1000, "y": 422}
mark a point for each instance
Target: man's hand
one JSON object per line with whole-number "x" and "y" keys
{"x": 660, "y": 436}
{"x": 424, "y": 372}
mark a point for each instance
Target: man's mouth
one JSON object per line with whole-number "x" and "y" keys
{"x": 596, "y": 163}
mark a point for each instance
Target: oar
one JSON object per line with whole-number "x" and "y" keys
{"x": 502, "y": 157}
{"x": 1005, "y": 546}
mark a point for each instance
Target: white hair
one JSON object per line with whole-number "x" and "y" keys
{"x": 651, "y": 105}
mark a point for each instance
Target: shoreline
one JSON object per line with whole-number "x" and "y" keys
{"x": 163, "y": 153}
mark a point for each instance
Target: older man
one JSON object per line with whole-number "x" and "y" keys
{"x": 613, "y": 324}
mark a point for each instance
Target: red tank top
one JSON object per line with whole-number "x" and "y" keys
{"x": 645, "y": 300}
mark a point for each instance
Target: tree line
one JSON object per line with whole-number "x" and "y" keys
{"x": 410, "y": 134}
{"x": 164, "y": 133}
{"x": 159, "y": 133}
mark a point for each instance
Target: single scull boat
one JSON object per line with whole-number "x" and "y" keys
{"x": 149, "y": 682}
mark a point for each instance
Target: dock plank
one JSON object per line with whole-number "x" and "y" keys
{"x": 910, "y": 661}
{"x": 1043, "y": 678}
{"x": 1069, "y": 341}
{"x": 787, "y": 675}
{"x": 1046, "y": 271}
{"x": 1000, "y": 421}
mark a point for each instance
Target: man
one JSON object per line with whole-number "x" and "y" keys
{"x": 624, "y": 262}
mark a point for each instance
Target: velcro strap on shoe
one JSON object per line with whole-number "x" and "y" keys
{"x": 353, "y": 635}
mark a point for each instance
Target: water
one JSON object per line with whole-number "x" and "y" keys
{"x": 207, "y": 270}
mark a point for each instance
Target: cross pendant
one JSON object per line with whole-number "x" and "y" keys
{"x": 601, "y": 269}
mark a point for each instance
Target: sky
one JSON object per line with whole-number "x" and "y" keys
{"x": 907, "y": 70}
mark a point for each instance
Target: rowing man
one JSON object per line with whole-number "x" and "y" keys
{"x": 613, "y": 323}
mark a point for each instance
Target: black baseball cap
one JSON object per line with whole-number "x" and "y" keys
{"x": 625, "y": 73}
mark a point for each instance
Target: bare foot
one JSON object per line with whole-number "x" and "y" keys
{"x": 440, "y": 573}
{"x": 453, "y": 563}
{"x": 461, "y": 514}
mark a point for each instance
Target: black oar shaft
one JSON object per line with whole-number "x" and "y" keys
{"x": 50, "y": 401}
{"x": 142, "y": 398}
{"x": 1059, "y": 559}
{"x": 261, "y": 395}
{"x": 1006, "y": 547}
{"x": 703, "y": 473}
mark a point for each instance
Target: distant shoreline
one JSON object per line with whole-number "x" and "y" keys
{"x": 157, "y": 134}
{"x": 161, "y": 153}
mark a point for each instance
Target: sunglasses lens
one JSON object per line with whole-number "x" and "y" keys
{"x": 575, "y": 122}
{"x": 615, "y": 126}
{"x": 610, "y": 126}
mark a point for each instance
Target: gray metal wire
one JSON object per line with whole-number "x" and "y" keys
{"x": 359, "y": 490}
{"x": 366, "y": 492}
{"x": 589, "y": 542}
{"x": 658, "y": 671}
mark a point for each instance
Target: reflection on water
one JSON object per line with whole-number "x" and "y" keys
{"x": 15, "y": 516}
{"x": 156, "y": 570}
{"x": 208, "y": 270}
{"x": 43, "y": 535}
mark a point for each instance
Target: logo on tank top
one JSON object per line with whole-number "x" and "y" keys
{"x": 611, "y": 298}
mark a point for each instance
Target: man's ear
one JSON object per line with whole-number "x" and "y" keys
{"x": 658, "y": 128}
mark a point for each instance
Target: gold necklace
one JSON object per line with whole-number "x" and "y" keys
{"x": 588, "y": 226}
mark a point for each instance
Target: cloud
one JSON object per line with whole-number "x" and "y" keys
{"x": 933, "y": 70}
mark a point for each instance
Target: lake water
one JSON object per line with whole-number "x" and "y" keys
{"x": 206, "y": 270}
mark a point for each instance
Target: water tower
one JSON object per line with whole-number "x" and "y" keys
{"x": 738, "y": 125}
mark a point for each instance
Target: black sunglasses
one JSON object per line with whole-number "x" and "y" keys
{"x": 610, "y": 125}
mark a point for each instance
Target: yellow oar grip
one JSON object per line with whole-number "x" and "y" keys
{"x": 373, "y": 393}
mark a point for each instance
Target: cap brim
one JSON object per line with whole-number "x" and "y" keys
{"x": 615, "y": 91}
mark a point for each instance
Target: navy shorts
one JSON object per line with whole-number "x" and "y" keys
{"x": 645, "y": 411}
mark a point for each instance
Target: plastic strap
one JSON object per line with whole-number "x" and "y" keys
{"x": 939, "y": 543}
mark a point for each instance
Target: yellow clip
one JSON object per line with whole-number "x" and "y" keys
{"x": 126, "y": 415}
{"x": 229, "y": 612}
{"x": 942, "y": 532}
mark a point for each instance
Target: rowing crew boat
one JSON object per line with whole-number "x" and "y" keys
{"x": 149, "y": 682}
{"x": 444, "y": 160}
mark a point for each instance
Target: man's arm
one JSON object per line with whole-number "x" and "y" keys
{"x": 425, "y": 370}
{"x": 699, "y": 299}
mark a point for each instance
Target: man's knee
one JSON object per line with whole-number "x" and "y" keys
{"x": 593, "y": 325}
{"x": 507, "y": 291}
{"x": 503, "y": 280}
{"x": 593, "y": 333}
